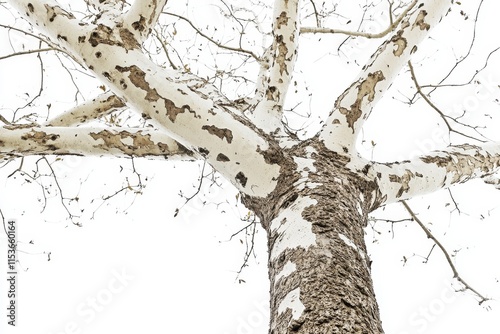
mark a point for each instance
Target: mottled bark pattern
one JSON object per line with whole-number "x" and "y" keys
{"x": 331, "y": 278}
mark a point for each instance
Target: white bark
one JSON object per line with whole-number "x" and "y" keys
{"x": 226, "y": 140}
{"x": 143, "y": 15}
{"x": 275, "y": 81}
{"x": 98, "y": 107}
{"x": 437, "y": 170}
{"x": 354, "y": 106}
{"x": 18, "y": 141}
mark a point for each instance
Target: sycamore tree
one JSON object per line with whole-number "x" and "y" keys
{"x": 287, "y": 100}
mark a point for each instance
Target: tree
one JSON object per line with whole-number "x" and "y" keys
{"x": 310, "y": 188}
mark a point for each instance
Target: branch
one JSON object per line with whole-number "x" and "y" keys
{"x": 24, "y": 140}
{"x": 433, "y": 106}
{"x": 20, "y": 53}
{"x": 98, "y": 107}
{"x": 281, "y": 61}
{"x": 391, "y": 27}
{"x": 354, "y": 106}
{"x": 436, "y": 170}
{"x": 456, "y": 274}
{"x": 143, "y": 16}
{"x": 211, "y": 40}
{"x": 185, "y": 107}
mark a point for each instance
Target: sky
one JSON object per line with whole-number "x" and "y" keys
{"x": 133, "y": 267}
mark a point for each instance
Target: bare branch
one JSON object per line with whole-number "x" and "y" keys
{"x": 211, "y": 40}
{"x": 354, "y": 106}
{"x": 429, "y": 234}
{"x": 433, "y": 106}
{"x": 391, "y": 27}
{"x": 20, "y": 53}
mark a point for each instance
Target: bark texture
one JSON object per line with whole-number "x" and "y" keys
{"x": 318, "y": 266}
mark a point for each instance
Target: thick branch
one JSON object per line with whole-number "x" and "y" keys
{"x": 437, "y": 170}
{"x": 178, "y": 103}
{"x": 281, "y": 61}
{"x": 19, "y": 141}
{"x": 98, "y": 107}
{"x": 354, "y": 106}
{"x": 142, "y": 17}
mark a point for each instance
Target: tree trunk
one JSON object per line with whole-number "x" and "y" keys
{"x": 318, "y": 265}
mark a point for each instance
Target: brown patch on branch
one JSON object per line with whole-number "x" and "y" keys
{"x": 105, "y": 35}
{"x": 53, "y": 11}
{"x": 128, "y": 39}
{"x": 365, "y": 89}
{"x": 140, "y": 25}
{"x": 420, "y": 21}
{"x": 138, "y": 78}
{"x": 141, "y": 144}
{"x": 404, "y": 180}
{"x": 400, "y": 43}
{"x": 281, "y": 57}
{"x": 222, "y": 157}
{"x": 281, "y": 20}
{"x": 41, "y": 138}
{"x": 242, "y": 179}
{"x": 221, "y": 133}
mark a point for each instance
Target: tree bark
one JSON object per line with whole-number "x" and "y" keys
{"x": 318, "y": 265}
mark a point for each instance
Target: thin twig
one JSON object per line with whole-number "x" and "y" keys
{"x": 222, "y": 46}
{"x": 314, "y": 30}
{"x": 445, "y": 252}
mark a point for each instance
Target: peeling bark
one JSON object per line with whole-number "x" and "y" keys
{"x": 25, "y": 140}
{"x": 318, "y": 266}
{"x": 349, "y": 113}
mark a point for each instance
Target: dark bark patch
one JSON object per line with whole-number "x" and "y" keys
{"x": 139, "y": 25}
{"x": 272, "y": 93}
{"x": 242, "y": 179}
{"x": 222, "y": 157}
{"x": 420, "y": 21}
{"x": 282, "y": 20}
{"x": 141, "y": 144}
{"x": 138, "y": 78}
{"x": 31, "y": 8}
{"x": 128, "y": 39}
{"x": 221, "y": 133}
{"x": 366, "y": 89}
{"x": 203, "y": 151}
{"x": 400, "y": 43}
{"x": 54, "y": 11}
{"x": 81, "y": 39}
{"x": 439, "y": 161}
{"x": 404, "y": 180}
{"x": 40, "y": 137}
{"x": 101, "y": 35}
{"x": 173, "y": 110}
